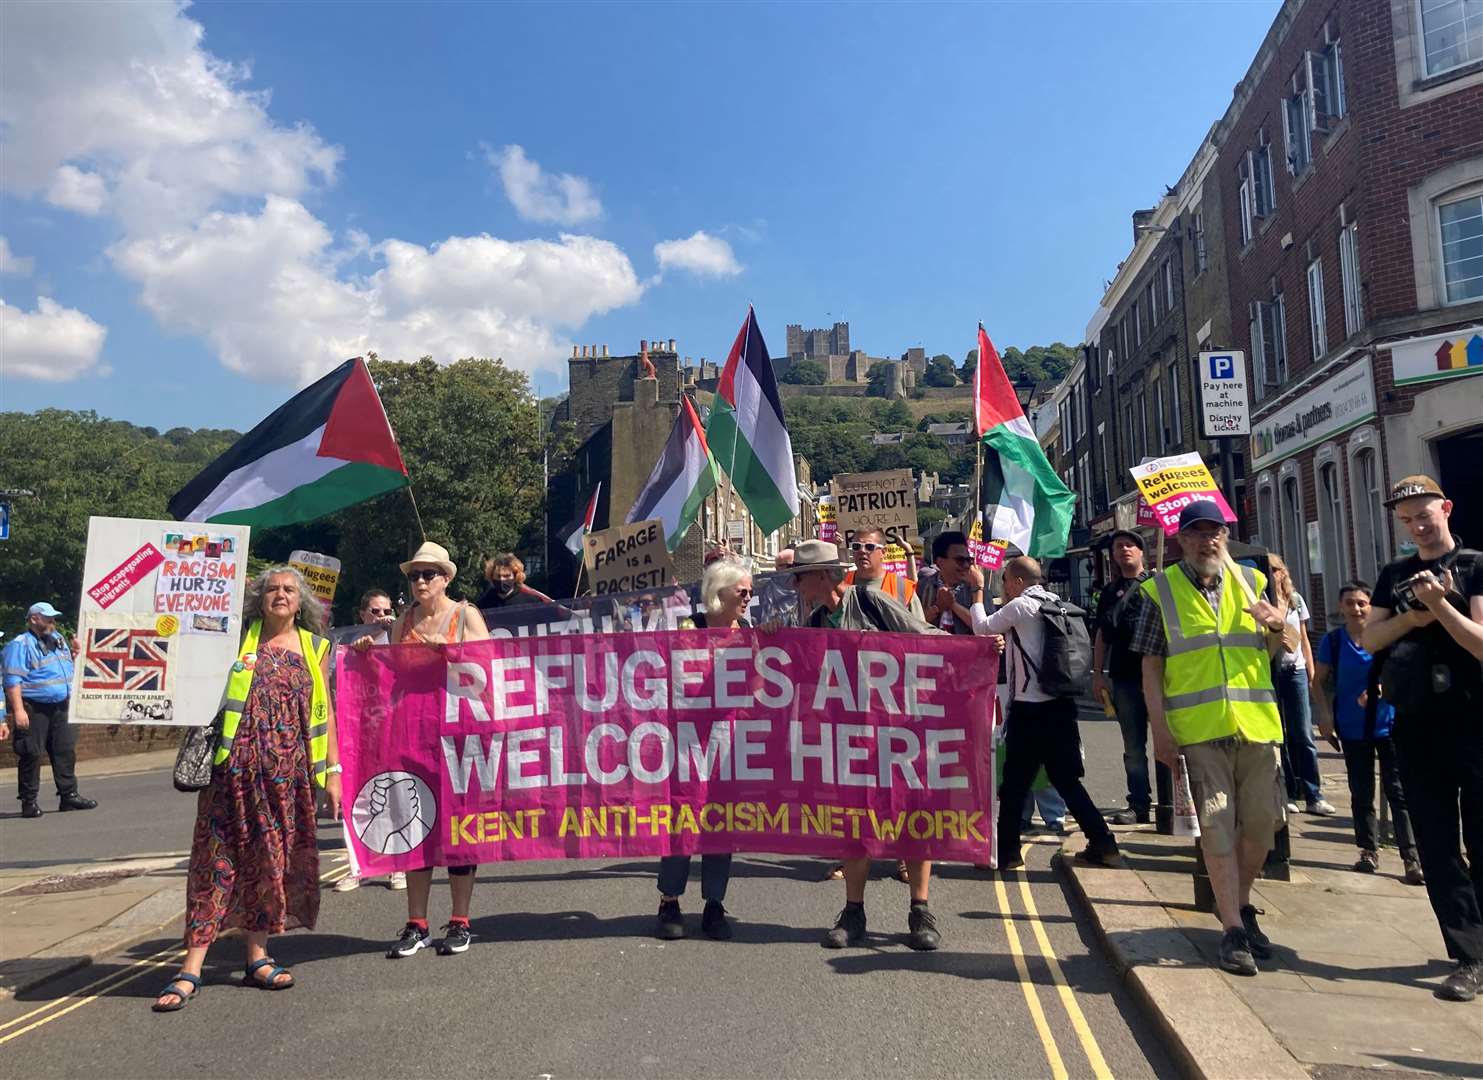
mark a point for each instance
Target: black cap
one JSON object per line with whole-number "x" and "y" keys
{"x": 1200, "y": 510}
{"x": 1128, "y": 535}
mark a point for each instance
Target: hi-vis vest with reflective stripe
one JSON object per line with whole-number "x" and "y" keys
{"x": 240, "y": 681}
{"x": 1217, "y": 676}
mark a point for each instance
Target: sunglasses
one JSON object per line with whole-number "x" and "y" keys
{"x": 963, "y": 560}
{"x": 378, "y": 610}
{"x": 866, "y": 547}
{"x": 742, "y": 592}
{"x": 423, "y": 575}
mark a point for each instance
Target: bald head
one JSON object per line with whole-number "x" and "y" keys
{"x": 1019, "y": 574}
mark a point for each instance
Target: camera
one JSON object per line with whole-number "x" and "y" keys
{"x": 1405, "y": 595}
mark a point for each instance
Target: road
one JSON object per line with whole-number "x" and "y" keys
{"x": 565, "y": 979}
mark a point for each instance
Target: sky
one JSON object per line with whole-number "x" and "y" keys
{"x": 206, "y": 207}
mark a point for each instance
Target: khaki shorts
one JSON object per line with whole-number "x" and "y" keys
{"x": 1236, "y": 785}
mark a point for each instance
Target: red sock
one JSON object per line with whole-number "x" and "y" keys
{"x": 458, "y": 920}
{"x": 421, "y": 924}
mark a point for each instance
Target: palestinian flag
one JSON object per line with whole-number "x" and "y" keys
{"x": 1027, "y": 503}
{"x": 328, "y": 447}
{"x": 573, "y": 541}
{"x": 747, "y": 433}
{"x": 683, "y": 476}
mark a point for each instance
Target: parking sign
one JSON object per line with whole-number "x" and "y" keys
{"x": 1223, "y": 409}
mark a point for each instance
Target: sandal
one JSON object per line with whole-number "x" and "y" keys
{"x": 901, "y": 875}
{"x": 249, "y": 977}
{"x": 193, "y": 981}
{"x": 834, "y": 873}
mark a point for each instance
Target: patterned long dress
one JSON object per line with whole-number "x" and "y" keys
{"x": 255, "y": 854}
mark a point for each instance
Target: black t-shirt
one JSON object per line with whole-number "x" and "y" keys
{"x": 490, "y": 598}
{"x": 1115, "y": 618}
{"x": 1437, "y": 645}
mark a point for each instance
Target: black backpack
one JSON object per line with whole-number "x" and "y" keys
{"x": 1066, "y": 659}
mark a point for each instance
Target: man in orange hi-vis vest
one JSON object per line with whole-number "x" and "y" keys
{"x": 868, "y": 549}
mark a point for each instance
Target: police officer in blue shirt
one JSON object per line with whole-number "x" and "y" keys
{"x": 38, "y": 680}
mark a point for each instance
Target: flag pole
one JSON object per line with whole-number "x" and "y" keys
{"x": 415, "y": 512}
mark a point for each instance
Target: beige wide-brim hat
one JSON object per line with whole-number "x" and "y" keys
{"x": 431, "y": 554}
{"x": 815, "y": 555}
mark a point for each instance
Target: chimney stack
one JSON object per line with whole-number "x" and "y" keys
{"x": 671, "y": 344}
{"x": 574, "y": 352}
{"x": 604, "y": 351}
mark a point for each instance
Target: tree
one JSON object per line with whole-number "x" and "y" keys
{"x": 970, "y": 366}
{"x": 878, "y": 379}
{"x": 928, "y": 516}
{"x": 806, "y": 373}
{"x": 896, "y": 417}
{"x": 941, "y": 372}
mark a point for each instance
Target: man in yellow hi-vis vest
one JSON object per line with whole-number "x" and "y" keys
{"x": 1206, "y": 637}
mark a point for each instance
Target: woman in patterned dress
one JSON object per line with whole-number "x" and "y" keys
{"x": 255, "y": 857}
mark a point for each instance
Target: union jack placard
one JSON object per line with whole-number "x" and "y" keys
{"x": 127, "y": 660}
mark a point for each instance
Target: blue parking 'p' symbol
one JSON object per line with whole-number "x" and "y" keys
{"x": 1223, "y": 366}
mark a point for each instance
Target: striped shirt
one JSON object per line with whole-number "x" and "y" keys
{"x": 42, "y": 669}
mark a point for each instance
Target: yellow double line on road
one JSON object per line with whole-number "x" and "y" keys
{"x": 1032, "y": 997}
{"x": 86, "y": 995}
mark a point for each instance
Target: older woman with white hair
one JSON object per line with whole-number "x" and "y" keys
{"x": 725, "y": 592}
{"x": 254, "y": 862}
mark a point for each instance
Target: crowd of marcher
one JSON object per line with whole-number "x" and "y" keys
{"x": 1207, "y": 659}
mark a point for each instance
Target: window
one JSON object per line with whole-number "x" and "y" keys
{"x": 1140, "y": 406}
{"x": 1111, "y": 358}
{"x": 1176, "y": 417}
{"x": 1168, "y": 275}
{"x": 1354, "y": 314}
{"x": 1130, "y": 437}
{"x": 1462, "y": 246}
{"x": 1247, "y": 208}
{"x": 1158, "y": 416}
{"x": 1079, "y": 407}
{"x": 1330, "y": 490}
{"x": 1122, "y": 335}
{"x": 1453, "y": 33}
{"x": 1198, "y": 228}
{"x": 1369, "y": 508}
{"x": 1259, "y": 163}
{"x": 1066, "y": 433}
{"x": 1104, "y": 496}
{"x": 1315, "y": 309}
{"x": 1294, "y": 545}
{"x": 1154, "y": 314}
{"x": 1137, "y": 325}
{"x": 1296, "y": 125}
{"x": 1325, "y": 87}
{"x": 1266, "y": 513}
{"x": 1268, "y": 344}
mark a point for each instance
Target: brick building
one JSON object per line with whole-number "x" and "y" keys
{"x": 1350, "y": 166}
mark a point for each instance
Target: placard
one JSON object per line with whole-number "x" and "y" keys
{"x": 828, "y": 519}
{"x": 627, "y": 558}
{"x": 160, "y": 621}
{"x": 322, "y": 572}
{"x": 1169, "y": 484}
{"x": 881, "y": 500}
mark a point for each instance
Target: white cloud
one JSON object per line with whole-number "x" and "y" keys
{"x": 73, "y": 189}
{"x": 11, "y": 263}
{"x": 700, "y": 253}
{"x": 119, "y": 110}
{"x": 52, "y": 343}
{"x": 537, "y": 195}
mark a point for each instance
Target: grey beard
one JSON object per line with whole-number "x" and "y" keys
{"x": 1206, "y": 567}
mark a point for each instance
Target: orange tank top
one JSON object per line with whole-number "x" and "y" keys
{"x": 453, "y": 633}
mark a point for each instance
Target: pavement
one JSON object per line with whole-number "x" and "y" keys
{"x": 1358, "y": 957}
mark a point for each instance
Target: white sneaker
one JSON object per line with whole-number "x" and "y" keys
{"x": 1292, "y": 807}
{"x": 396, "y": 881}
{"x": 1323, "y": 808}
{"x": 348, "y": 883}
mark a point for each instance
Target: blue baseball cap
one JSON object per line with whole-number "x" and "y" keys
{"x": 1200, "y": 510}
{"x": 43, "y": 608}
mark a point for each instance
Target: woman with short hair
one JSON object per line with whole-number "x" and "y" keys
{"x": 254, "y": 862}
{"x": 725, "y": 593}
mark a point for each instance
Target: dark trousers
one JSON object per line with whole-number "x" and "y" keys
{"x": 1045, "y": 733}
{"x": 1359, "y": 762}
{"x": 1441, "y": 757}
{"x": 50, "y": 731}
{"x": 715, "y": 872}
{"x": 1299, "y": 754}
{"x": 1132, "y": 717}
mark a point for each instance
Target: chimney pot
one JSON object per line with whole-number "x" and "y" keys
{"x": 574, "y": 352}
{"x": 605, "y": 350}
{"x": 671, "y": 344}
{"x": 643, "y": 345}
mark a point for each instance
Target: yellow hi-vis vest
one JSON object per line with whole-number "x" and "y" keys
{"x": 1217, "y": 675}
{"x": 240, "y": 681}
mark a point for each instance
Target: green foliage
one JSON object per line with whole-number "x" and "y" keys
{"x": 941, "y": 372}
{"x": 970, "y": 366}
{"x": 1038, "y": 362}
{"x": 928, "y": 516}
{"x": 896, "y": 416}
{"x": 470, "y": 433}
{"x": 81, "y": 465}
{"x": 878, "y": 379}
{"x": 806, "y": 373}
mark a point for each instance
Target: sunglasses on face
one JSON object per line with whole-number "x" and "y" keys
{"x": 866, "y": 547}
{"x": 742, "y": 593}
{"x": 423, "y": 575}
{"x": 378, "y": 611}
{"x": 963, "y": 560}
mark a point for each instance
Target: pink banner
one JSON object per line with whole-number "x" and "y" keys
{"x": 806, "y": 742}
